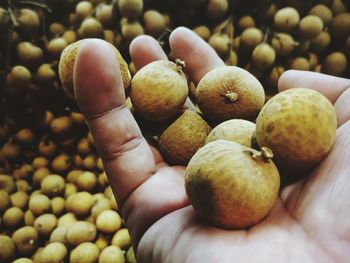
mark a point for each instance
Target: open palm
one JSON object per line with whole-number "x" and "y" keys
{"x": 310, "y": 221}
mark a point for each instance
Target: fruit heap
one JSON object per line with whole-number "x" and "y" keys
{"x": 48, "y": 158}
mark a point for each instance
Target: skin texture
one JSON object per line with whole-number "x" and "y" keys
{"x": 309, "y": 222}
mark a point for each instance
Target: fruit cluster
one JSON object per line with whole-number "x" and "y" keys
{"x": 47, "y": 154}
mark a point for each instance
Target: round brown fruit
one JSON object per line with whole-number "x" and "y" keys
{"x": 66, "y": 66}
{"x": 237, "y": 130}
{"x": 334, "y": 64}
{"x": 159, "y": 90}
{"x": 309, "y": 27}
{"x": 289, "y": 124}
{"x": 286, "y": 19}
{"x": 230, "y": 92}
{"x": 184, "y": 137}
{"x": 263, "y": 56}
{"x": 230, "y": 185}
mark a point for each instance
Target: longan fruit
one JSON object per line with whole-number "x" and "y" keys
{"x": 108, "y": 221}
{"x": 26, "y": 240}
{"x": 90, "y": 28}
{"x": 263, "y": 56}
{"x": 271, "y": 79}
{"x": 52, "y": 185}
{"x": 46, "y": 74}
{"x": 70, "y": 190}
{"x": 13, "y": 217}
{"x": 86, "y": 181}
{"x": 286, "y": 19}
{"x": 58, "y": 205}
{"x": 61, "y": 125}
{"x": 99, "y": 164}
{"x": 81, "y": 232}
{"x": 24, "y": 136}
{"x": 70, "y": 36}
{"x": 246, "y": 22}
{"x": 73, "y": 175}
{"x": 130, "y": 8}
{"x": 59, "y": 234}
{"x": 179, "y": 142}
{"x": 309, "y": 27}
{"x": 19, "y": 77}
{"x": 77, "y": 117}
{"x": 54, "y": 252}
{"x": 104, "y": 14}
{"x": 56, "y": 28}
{"x": 323, "y": 12}
{"x": 8, "y": 248}
{"x": 100, "y": 205}
{"x": 334, "y": 64}
{"x": 131, "y": 29}
{"x": 39, "y": 204}
{"x": 130, "y": 255}
{"x": 159, "y": 90}
{"x": 310, "y": 142}
{"x": 80, "y": 203}
{"x": 45, "y": 224}
{"x": 313, "y": 60}
{"x": 7, "y": 184}
{"x": 56, "y": 46}
{"x": 89, "y": 162}
{"x": 321, "y": 42}
{"x": 220, "y": 43}
{"x": 102, "y": 242}
{"x": 299, "y": 63}
{"x": 339, "y": 27}
{"x": 250, "y": 38}
{"x": 29, "y": 54}
{"x": 122, "y": 239}
{"x": 111, "y": 254}
{"x": 232, "y": 59}
{"x": 61, "y": 163}
{"x": 29, "y": 218}
{"x": 39, "y": 175}
{"x": 23, "y": 260}
{"x": 153, "y": 22}
{"x": 217, "y": 9}
{"x": 83, "y": 9}
{"x": 86, "y": 252}
{"x": 229, "y": 92}
{"x": 283, "y": 44}
{"x": 28, "y": 20}
{"x": 338, "y": 7}
{"x": 20, "y": 199}
{"x": 11, "y": 150}
{"x": 236, "y": 130}
{"x": 203, "y": 31}
{"x": 5, "y": 201}
{"x": 66, "y": 220}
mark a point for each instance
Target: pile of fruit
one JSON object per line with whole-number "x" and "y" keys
{"x": 48, "y": 160}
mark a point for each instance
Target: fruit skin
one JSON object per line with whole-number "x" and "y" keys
{"x": 334, "y": 64}
{"x": 159, "y": 90}
{"x": 184, "y": 137}
{"x": 299, "y": 126}
{"x": 214, "y": 92}
{"x": 263, "y": 56}
{"x": 230, "y": 185}
{"x": 66, "y": 66}
{"x": 237, "y": 130}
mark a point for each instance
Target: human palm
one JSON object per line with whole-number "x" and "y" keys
{"x": 310, "y": 221}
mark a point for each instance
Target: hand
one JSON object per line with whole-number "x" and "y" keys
{"x": 310, "y": 221}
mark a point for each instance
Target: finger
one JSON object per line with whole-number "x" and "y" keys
{"x": 334, "y": 88}
{"x": 199, "y": 57}
{"x": 100, "y": 96}
{"x": 144, "y": 50}
{"x": 330, "y": 86}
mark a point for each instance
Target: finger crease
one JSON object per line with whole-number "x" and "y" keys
{"x": 104, "y": 113}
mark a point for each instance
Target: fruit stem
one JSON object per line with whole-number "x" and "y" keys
{"x": 180, "y": 64}
{"x": 266, "y": 153}
{"x": 231, "y": 96}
